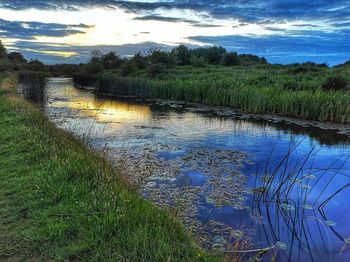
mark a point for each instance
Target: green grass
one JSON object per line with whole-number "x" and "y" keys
{"x": 294, "y": 90}
{"x": 60, "y": 201}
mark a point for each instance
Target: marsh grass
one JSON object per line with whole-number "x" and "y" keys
{"x": 268, "y": 89}
{"x": 61, "y": 201}
{"x": 33, "y": 85}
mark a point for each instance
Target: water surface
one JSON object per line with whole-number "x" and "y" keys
{"x": 225, "y": 174}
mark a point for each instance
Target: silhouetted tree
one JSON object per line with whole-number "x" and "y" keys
{"x": 212, "y": 54}
{"x": 96, "y": 56}
{"x": 248, "y": 59}
{"x": 183, "y": 54}
{"x": 111, "y": 60}
{"x": 17, "y": 58}
{"x": 64, "y": 69}
{"x": 35, "y": 65}
{"x": 162, "y": 57}
{"x": 5, "y": 63}
{"x": 139, "y": 61}
{"x": 230, "y": 59}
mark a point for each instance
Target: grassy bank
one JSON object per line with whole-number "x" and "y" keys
{"x": 60, "y": 201}
{"x": 303, "y": 91}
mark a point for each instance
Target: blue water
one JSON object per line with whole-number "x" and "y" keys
{"x": 308, "y": 217}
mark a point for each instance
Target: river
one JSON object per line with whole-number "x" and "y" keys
{"x": 231, "y": 178}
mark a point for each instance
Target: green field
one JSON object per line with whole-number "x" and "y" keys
{"x": 60, "y": 201}
{"x": 308, "y": 91}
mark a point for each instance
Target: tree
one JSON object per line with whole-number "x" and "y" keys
{"x": 212, "y": 54}
{"x": 17, "y": 58}
{"x": 198, "y": 61}
{"x": 230, "y": 59}
{"x": 128, "y": 68}
{"x": 35, "y": 65}
{"x": 3, "y": 54}
{"x": 96, "y": 56}
{"x": 162, "y": 57}
{"x": 110, "y": 60}
{"x": 248, "y": 59}
{"x": 183, "y": 54}
{"x": 5, "y": 63}
{"x": 64, "y": 69}
{"x": 139, "y": 61}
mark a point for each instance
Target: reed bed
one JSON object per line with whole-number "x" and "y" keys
{"x": 267, "y": 90}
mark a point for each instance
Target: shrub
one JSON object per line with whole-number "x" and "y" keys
{"x": 84, "y": 79}
{"x": 128, "y": 68}
{"x": 248, "y": 59}
{"x": 5, "y": 65}
{"x": 335, "y": 83}
{"x": 198, "y": 61}
{"x": 35, "y": 66}
{"x": 93, "y": 68}
{"x": 162, "y": 57}
{"x": 139, "y": 61}
{"x": 292, "y": 85}
{"x": 212, "y": 54}
{"x": 64, "y": 69}
{"x": 230, "y": 59}
{"x": 155, "y": 69}
{"x": 345, "y": 64}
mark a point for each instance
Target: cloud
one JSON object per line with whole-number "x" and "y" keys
{"x": 164, "y": 19}
{"x": 55, "y": 53}
{"x": 317, "y": 46}
{"x": 293, "y": 30}
{"x": 245, "y": 10}
{"x": 29, "y": 30}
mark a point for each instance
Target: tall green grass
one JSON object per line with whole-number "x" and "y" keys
{"x": 268, "y": 90}
{"x": 60, "y": 201}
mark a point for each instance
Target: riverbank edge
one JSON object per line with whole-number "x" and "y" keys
{"x": 224, "y": 111}
{"x": 305, "y": 105}
{"x": 61, "y": 201}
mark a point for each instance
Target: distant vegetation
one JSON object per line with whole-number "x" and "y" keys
{"x": 215, "y": 76}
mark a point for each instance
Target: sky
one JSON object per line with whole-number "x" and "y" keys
{"x": 283, "y": 31}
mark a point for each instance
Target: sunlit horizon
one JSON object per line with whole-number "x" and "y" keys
{"x": 70, "y": 32}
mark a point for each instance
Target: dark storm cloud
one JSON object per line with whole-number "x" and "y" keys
{"x": 248, "y": 10}
{"x": 28, "y": 30}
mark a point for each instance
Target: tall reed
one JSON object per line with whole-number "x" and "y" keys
{"x": 256, "y": 92}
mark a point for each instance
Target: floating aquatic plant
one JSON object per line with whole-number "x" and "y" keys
{"x": 237, "y": 234}
{"x": 281, "y": 245}
{"x": 330, "y": 223}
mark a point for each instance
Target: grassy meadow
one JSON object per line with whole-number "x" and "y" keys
{"x": 60, "y": 201}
